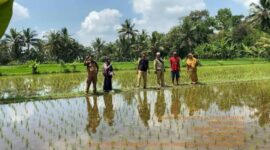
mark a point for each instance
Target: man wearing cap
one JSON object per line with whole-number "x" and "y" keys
{"x": 159, "y": 69}
{"x": 92, "y": 71}
{"x": 175, "y": 68}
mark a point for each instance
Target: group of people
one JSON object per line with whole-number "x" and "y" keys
{"x": 142, "y": 71}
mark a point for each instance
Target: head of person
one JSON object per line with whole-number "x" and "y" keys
{"x": 108, "y": 60}
{"x": 190, "y": 55}
{"x": 143, "y": 56}
{"x": 174, "y": 54}
{"x": 90, "y": 58}
{"x": 158, "y": 55}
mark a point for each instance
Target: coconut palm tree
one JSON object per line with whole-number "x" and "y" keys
{"x": 141, "y": 43}
{"x": 98, "y": 45}
{"x": 65, "y": 37}
{"x": 123, "y": 45}
{"x": 156, "y": 42}
{"x": 260, "y": 14}
{"x": 53, "y": 46}
{"x": 15, "y": 43}
{"x": 127, "y": 29}
{"x": 188, "y": 35}
{"x": 30, "y": 39}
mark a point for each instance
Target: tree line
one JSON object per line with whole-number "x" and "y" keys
{"x": 223, "y": 36}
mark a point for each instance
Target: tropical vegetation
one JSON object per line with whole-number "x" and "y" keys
{"x": 223, "y": 36}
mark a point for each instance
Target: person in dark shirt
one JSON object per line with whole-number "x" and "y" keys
{"x": 108, "y": 74}
{"x": 142, "y": 70}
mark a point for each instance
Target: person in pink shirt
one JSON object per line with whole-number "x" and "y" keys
{"x": 175, "y": 68}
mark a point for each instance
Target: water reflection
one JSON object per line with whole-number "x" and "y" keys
{"x": 144, "y": 108}
{"x": 176, "y": 104}
{"x": 93, "y": 116}
{"x": 108, "y": 112}
{"x": 190, "y": 117}
{"x": 160, "y": 105}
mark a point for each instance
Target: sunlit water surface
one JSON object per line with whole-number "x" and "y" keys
{"x": 224, "y": 116}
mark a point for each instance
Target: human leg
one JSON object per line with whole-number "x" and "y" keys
{"x": 95, "y": 84}
{"x": 144, "y": 79}
{"x": 162, "y": 78}
{"x": 139, "y": 76}
{"x": 88, "y": 83}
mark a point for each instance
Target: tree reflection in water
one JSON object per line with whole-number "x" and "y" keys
{"x": 131, "y": 117}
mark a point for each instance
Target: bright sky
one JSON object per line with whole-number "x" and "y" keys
{"x": 89, "y": 19}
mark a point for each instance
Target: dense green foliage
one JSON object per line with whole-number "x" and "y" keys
{"x": 223, "y": 36}
{"x": 5, "y": 14}
{"x": 33, "y": 67}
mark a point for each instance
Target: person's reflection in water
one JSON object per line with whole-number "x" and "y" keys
{"x": 108, "y": 112}
{"x": 144, "y": 109}
{"x": 160, "y": 105}
{"x": 176, "y": 104}
{"x": 93, "y": 116}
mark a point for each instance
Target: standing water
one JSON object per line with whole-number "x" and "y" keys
{"x": 223, "y": 116}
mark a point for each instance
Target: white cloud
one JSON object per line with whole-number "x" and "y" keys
{"x": 101, "y": 24}
{"x": 20, "y": 12}
{"x": 247, "y": 3}
{"x": 161, "y": 15}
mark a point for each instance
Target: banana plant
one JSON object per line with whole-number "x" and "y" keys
{"x": 5, "y": 15}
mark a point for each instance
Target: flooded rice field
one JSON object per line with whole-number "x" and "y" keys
{"x": 221, "y": 116}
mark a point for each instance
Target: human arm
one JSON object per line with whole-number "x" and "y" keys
{"x": 138, "y": 67}
{"x": 155, "y": 66}
{"x": 171, "y": 63}
{"x": 86, "y": 61}
{"x": 148, "y": 69}
{"x": 179, "y": 64}
{"x": 97, "y": 67}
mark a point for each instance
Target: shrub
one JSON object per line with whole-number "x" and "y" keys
{"x": 34, "y": 65}
{"x": 14, "y": 62}
{"x": 50, "y": 62}
{"x": 63, "y": 67}
{"x": 74, "y": 66}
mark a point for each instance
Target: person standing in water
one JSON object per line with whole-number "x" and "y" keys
{"x": 143, "y": 68}
{"x": 108, "y": 74}
{"x": 159, "y": 69}
{"x": 92, "y": 71}
{"x": 192, "y": 64}
{"x": 175, "y": 68}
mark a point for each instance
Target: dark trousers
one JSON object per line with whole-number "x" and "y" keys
{"x": 107, "y": 86}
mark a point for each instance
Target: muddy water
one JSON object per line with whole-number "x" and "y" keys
{"x": 223, "y": 116}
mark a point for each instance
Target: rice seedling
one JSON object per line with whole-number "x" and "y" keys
{"x": 59, "y": 120}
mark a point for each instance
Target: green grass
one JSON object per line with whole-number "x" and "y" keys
{"x": 119, "y": 66}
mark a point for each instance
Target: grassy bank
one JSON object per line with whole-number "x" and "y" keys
{"x": 119, "y": 66}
